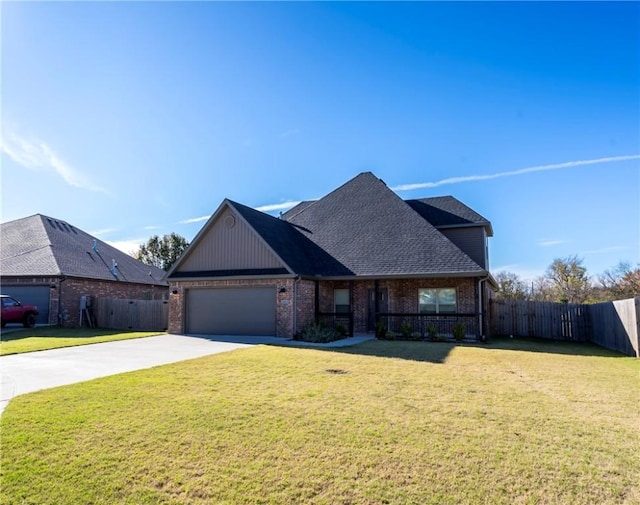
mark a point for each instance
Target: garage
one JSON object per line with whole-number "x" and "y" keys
{"x": 33, "y": 295}
{"x": 231, "y": 311}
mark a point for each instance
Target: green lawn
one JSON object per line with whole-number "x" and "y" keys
{"x": 52, "y": 337}
{"x": 383, "y": 423}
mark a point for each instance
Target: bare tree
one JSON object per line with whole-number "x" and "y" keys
{"x": 511, "y": 287}
{"x": 569, "y": 280}
{"x": 620, "y": 282}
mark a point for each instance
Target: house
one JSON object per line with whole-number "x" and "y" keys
{"x": 52, "y": 264}
{"x": 356, "y": 257}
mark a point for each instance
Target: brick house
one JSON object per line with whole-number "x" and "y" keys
{"x": 52, "y": 264}
{"x": 357, "y": 257}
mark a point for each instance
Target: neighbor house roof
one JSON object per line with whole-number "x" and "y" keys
{"x": 372, "y": 232}
{"x": 44, "y": 246}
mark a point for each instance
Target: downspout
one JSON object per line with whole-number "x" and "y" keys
{"x": 481, "y": 307}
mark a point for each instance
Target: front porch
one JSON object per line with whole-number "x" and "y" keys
{"x": 402, "y": 308}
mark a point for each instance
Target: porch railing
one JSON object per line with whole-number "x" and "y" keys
{"x": 340, "y": 322}
{"x": 426, "y": 326}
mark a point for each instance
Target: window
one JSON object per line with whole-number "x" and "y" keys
{"x": 437, "y": 301}
{"x": 341, "y": 301}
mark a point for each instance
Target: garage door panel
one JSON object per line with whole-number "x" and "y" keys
{"x": 32, "y": 295}
{"x": 231, "y": 311}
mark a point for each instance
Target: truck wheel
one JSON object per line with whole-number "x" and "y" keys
{"x": 29, "y": 321}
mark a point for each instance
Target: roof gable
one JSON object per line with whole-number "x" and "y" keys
{"x": 228, "y": 243}
{"x": 45, "y": 246}
{"x": 371, "y": 231}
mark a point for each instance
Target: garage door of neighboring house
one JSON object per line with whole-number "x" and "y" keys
{"x": 34, "y": 295}
{"x": 231, "y": 311}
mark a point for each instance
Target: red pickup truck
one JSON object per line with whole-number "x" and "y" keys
{"x": 15, "y": 312}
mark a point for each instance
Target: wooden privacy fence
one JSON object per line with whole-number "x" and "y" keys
{"x": 143, "y": 315}
{"x": 614, "y": 325}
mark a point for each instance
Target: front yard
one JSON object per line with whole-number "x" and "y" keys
{"x": 53, "y": 337}
{"x": 384, "y": 422}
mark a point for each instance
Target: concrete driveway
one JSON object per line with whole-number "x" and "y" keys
{"x": 33, "y": 371}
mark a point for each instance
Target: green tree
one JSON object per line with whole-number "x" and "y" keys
{"x": 511, "y": 287}
{"x": 569, "y": 280}
{"x": 162, "y": 252}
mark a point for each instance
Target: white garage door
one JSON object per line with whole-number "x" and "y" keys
{"x": 231, "y": 311}
{"x": 33, "y": 295}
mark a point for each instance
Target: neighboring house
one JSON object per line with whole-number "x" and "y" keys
{"x": 359, "y": 256}
{"x": 52, "y": 264}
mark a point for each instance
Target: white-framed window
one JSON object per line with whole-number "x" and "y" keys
{"x": 341, "y": 301}
{"x": 437, "y": 300}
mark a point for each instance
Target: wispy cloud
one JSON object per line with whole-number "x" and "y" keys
{"x": 549, "y": 243}
{"x": 195, "y": 219}
{"x": 277, "y": 206}
{"x": 151, "y": 228}
{"x": 102, "y": 232}
{"x": 606, "y": 250}
{"x": 34, "y": 154}
{"x": 539, "y": 168}
{"x": 526, "y": 274}
{"x": 127, "y": 246}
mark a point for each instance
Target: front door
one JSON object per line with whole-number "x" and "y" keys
{"x": 383, "y": 306}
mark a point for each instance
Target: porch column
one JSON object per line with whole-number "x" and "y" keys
{"x": 376, "y": 303}
{"x": 351, "y": 284}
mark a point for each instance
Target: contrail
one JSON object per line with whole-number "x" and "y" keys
{"x": 540, "y": 168}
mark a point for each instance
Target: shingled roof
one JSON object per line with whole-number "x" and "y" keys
{"x": 447, "y": 211}
{"x": 44, "y": 246}
{"x": 372, "y": 232}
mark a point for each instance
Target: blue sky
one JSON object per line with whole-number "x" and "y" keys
{"x": 133, "y": 119}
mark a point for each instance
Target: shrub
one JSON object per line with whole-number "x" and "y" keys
{"x": 432, "y": 331}
{"x": 392, "y": 335}
{"x": 441, "y": 338}
{"x": 405, "y": 329}
{"x": 318, "y": 333}
{"x": 340, "y": 329}
{"x": 459, "y": 331}
{"x": 416, "y": 336}
{"x": 381, "y": 330}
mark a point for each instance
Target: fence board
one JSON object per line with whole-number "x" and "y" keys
{"x": 124, "y": 314}
{"x": 614, "y": 325}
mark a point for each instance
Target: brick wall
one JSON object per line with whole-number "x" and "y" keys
{"x": 403, "y": 298}
{"x": 64, "y": 295}
{"x": 284, "y": 301}
{"x": 70, "y": 291}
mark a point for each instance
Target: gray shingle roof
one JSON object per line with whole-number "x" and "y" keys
{"x": 372, "y": 232}
{"x": 302, "y": 255}
{"x": 443, "y": 211}
{"x": 44, "y": 246}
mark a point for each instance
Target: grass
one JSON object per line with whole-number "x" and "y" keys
{"x": 53, "y": 337}
{"x": 381, "y": 423}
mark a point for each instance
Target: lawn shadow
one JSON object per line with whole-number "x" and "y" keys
{"x": 8, "y": 333}
{"x": 438, "y": 352}
{"x": 431, "y": 352}
{"x": 550, "y": 346}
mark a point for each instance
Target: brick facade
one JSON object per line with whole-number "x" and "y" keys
{"x": 292, "y": 317}
{"x": 284, "y": 301}
{"x": 65, "y": 293}
{"x": 402, "y": 296}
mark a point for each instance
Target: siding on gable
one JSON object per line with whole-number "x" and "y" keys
{"x": 471, "y": 240}
{"x": 230, "y": 245}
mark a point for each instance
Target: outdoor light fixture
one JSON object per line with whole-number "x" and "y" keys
{"x": 283, "y": 290}
{"x": 175, "y": 291}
